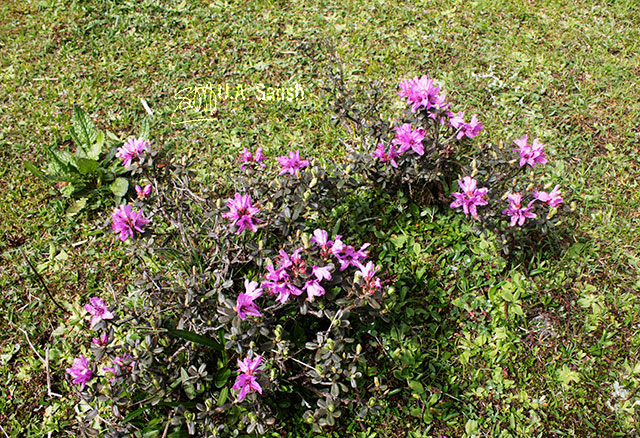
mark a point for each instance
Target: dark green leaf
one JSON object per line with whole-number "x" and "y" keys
{"x": 195, "y": 338}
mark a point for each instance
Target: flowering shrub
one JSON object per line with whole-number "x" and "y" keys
{"x": 247, "y": 306}
{"x": 245, "y": 279}
{"x": 517, "y": 201}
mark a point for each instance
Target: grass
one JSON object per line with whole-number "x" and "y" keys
{"x": 567, "y": 73}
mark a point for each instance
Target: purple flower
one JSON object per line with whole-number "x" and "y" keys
{"x": 323, "y": 273}
{"x": 102, "y": 341}
{"x": 245, "y": 306}
{"x": 246, "y": 381}
{"x": 408, "y": 138}
{"x": 422, "y": 92}
{"x": 384, "y": 157}
{"x": 143, "y": 193}
{"x": 119, "y": 362}
{"x": 291, "y": 163}
{"x": 553, "y": 198}
{"x": 279, "y": 283}
{"x": 242, "y": 213}
{"x": 321, "y": 238}
{"x": 470, "y": 197}
{"x": 125, "y": 221}
{"x": 251, "y": 288}
{"x": 530, "y": 154}
{"x": 98, "y": 309}
{"x": 80, "y": 371}
{"x": 247, "y": 157}
{"x": 313, "y": 289}
{"x": 471, "y": 129}
{"x": 348, "y": 256}
{"x": 132, "y": 149}
{"x": 518, "y": 213}
{"x": 368, "y": 272}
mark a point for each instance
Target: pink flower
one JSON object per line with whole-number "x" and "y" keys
{"x": 313, "y": 289}
{"x": 247, "y": 157}
{"x": 80, "y": 371}
{"x": 384, "y": 157}
{"x": 408, "y": 138}
{"x": 246, "y": 381}
{"x": 371, "y": 282}
{"x": 251, "y": 288}
{"x": 125, "y": 221}
{"x": 553, "y": 198}
{"x": 518, "y": 213}
{"x": 242, "y": 213}
{"x": 102, "y": 341}
{"x": 291, "y": 163}
{"x": 321, "y": 238}
{"x": 278, "y": 282}
{"x": 348, "y": 256}
{"x": 98, "y": 309}
{"x": 323, "y": 273}
{"x": 143, "y": 193}
{"x": 119, "y": 369}
{"x": 471, "y": 129}
{"x": 132, "y": 149}
{"x": 422, "y": 92}
{"x": 470, "y": 198}
{"x": 530, "y": 154}
{"x": 245, "y": 306}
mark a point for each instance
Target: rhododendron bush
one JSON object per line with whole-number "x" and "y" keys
{"x": 254, "y": 303}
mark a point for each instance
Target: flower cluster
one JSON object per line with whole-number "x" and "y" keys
{"x": 132, "y": 149}
{"x": 81, "y": 371}
{"x": 530, "y": 154}
{"x": 246, "y": 381}
{"x": 126, "y": 221}
{"x": 470, "y": 130}
{"x": 518, "y": 213}
{"x": 304, "y": 271}
{"x": 422, "y": 93}
{"x": 242, "y": 213}
{"x": 247, "y": 157}
{"x": 292, "y": 163}
{"x": 470, "y": 198}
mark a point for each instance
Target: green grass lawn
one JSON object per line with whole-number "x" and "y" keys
{"x": 566, "y": 72}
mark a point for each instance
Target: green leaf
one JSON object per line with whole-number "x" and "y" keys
{"x": 224, "y": 393}
{"x": 135, "y": 414}
{"x": 82, "y": 129}
{"x": 36, "y": 172}
{"x": 86, "y": 166}
{"x": 96, "y": 149}
{"x": 222, "y": 376}
{"x": 76, "y": 207}
{"x": 119, "y": 187}
{"x": 196, "y": 338}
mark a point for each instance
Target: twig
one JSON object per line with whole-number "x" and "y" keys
{"x": 166, "y": 427}
{"x": 49, "y": 392}
{"x": 30, "y": 344}
{"x": 44, "y": 285}
{"x": 5, "y": 433}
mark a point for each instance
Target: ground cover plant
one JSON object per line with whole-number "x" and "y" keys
{"x": 564, "y": 74}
